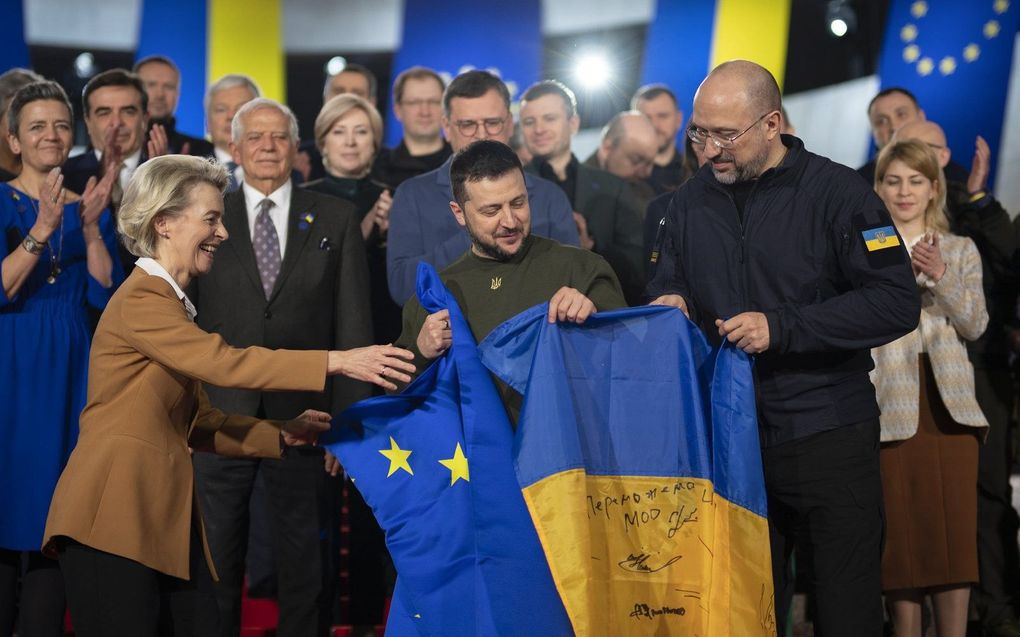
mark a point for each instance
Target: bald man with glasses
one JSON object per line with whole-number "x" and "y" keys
{"x": 795, "y": 260}
{"x": 476, "y": 105}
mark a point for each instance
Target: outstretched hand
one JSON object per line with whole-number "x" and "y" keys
{"x": 378, "y": 364}
{"x": 305, "y": 429}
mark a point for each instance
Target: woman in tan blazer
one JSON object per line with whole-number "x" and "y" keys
{"x": 931, "y": 422}
{"x": 123, "y": 515}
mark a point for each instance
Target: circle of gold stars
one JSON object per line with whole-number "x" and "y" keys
{"x": 925, "y": 65}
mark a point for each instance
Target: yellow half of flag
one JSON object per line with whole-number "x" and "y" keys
{"x": 247, "y": 37}
{"x": 755, "y": 30}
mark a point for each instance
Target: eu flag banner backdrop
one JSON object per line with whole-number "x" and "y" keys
{"x": 956, "y": 57}
{"x": 637, "y": 451}
{"x": 435, "y": 465}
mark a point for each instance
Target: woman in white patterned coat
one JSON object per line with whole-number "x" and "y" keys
{"x": 931, "y": 423}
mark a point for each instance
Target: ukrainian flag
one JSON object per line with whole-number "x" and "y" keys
{"x": 880, "y": 238}
{"x": 637, "y": 451}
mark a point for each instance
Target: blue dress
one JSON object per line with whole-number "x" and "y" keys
{"x": 44, "y": 346}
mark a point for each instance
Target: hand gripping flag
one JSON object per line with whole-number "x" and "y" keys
{"x": 637, "y": 451}
{"x": 435, "y": 465}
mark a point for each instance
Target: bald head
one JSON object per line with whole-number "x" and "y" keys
{"x": 928, "y": 132}
{"x": 628, "y": 146}
{"x": 743, "y": 82}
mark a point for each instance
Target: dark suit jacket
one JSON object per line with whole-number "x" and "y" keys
{"x": 614, "y": 221}
{"x": 321, "y": 299}
{"x": 197, "y": 147}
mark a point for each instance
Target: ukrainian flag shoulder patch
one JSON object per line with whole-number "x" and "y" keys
{"x": 880, "y": 238}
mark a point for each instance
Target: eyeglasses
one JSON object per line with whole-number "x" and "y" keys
{"x": 700, "y": 135}
{"x": 469, "y": 127}
{"x": 415, "y": 103}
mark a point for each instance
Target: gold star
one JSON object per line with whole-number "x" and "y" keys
{"x": 911, "y": 53}
{"x": 397, "y": 458}
{"x": 925, "y": 66}
{"x": 991, "y": 29}
{"x": 971, "y": 52}
{"x": 947, "y": 65}
{"x": 458, "y": 466}
{"x": 919, "y": 9}
{"x": 1000, "y": 6}
{"x": 908, "y": 33}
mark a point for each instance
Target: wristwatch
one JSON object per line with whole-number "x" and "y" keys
{"x": 33, "y": 246}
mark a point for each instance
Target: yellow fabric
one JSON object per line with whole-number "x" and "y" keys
{"x": 653, "y": 556}
{"x": 246, "y": 37}
{"x": 752, "y": 30}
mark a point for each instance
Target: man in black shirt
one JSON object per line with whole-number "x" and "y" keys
{"x": 660, "y": 106}
{"x": 162, "y": 81}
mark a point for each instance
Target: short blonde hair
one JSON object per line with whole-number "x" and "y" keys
{"x": 918, "y": 156}
{"x": 162, "y": 186}
{"x": 339, "y": 106}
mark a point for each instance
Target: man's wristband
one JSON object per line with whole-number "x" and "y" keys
{"x": 977, "y": 196}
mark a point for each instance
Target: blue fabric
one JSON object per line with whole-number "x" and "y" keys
{"x": 467, "y": 555}
{"x": 970, "y": 99}
{"x": 44, "y": 346}
{"x": 423, "y": 228}
{"x": 503, "y": 37}
{"x": 634, "y": 392}
{"x": 13, "y": 47}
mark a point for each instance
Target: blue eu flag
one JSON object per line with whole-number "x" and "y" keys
{"x": 435, "y": 465}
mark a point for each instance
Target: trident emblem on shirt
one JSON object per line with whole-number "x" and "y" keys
{"x": 496, "y": 282}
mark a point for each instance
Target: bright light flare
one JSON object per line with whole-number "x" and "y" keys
{"x": 593, "y": 70}
{"x": 838, "y": 27}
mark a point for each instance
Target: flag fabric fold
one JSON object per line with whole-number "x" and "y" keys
{"x": 435, "y": 465}
{"x": 637, "y": 452}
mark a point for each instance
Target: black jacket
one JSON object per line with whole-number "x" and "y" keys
{"x": 800, "y": 258}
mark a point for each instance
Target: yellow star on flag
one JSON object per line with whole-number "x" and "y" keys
{"x": 1000, "y": 6}
{"x": 947, "y": 65}
{"x": 911, "y": 53}
{"x": 397, "y": 458}
{"x": 458, "y": 466}
{"x": 971, "y": 52}
{"x": 908, "y": 33}
{"x": 925, "y": 66}
{"x": 919, "y": 9}
{"x": 991, "y": 29}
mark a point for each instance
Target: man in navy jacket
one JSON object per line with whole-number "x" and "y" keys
{"x": 795, "y": 259}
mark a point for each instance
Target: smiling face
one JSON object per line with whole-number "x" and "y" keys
{"x": 496, "y": 215}
{"x": 120, "y": 108}
{"x": 546, "y": 127}
{"x": 906, "y": 192}
{"x": 265, "y": 149}
{"x": 44, "y": 135}
{"x": 190, "y": 239}
{"x": 349, "y": 146}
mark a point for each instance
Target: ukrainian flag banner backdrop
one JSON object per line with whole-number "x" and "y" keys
{"x": 956, "y": 57}
{"x": 637, "y": 450}
{"x": 435, "y": 465}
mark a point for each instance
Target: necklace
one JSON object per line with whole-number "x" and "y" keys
{"x": 54, "y": 257}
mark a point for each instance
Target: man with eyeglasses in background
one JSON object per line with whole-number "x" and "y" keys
{"x": 795, "y": 260}
{"x": 476, "y": 105}
{"x": 417, "y": 103}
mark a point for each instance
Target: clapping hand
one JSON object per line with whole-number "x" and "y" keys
{"x": 51, "y": 205}
{"x": 158, "y": 144}
{"x": 96, "y": 197}
{"x": 926, "y": 257}
{"x": 979, "y": 168}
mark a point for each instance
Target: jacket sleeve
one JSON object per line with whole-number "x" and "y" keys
{"x": 352, "y": 314}
{"x": 156, "y": 325}
{"x": 232, "y": 435}
{"x": 556, "y": 210}
{"x": 959, "y": 292}
{"x": 876, "y": 299}
{"x": 988, "y": 224}
{"x": 97, "y": 295}
{"x": 409, "y": 241}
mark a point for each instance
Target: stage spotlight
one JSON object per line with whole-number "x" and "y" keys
{"x": 85, "y": 65}
{"x": 336, "y": 65}
{"x": 841, "y": 18}
{"x": 593, "y": 70}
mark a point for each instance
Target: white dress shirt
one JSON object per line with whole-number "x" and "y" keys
{"x": 226, "y": 158}
{"x": 280, "y": 213}
{"x": 153, "y": 267}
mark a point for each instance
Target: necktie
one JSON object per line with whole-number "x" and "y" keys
{"x": 267, "y": 247}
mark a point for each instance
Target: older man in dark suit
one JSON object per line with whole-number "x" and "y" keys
{"x": 608, "y": 214}
{"x": 293, "y": 275}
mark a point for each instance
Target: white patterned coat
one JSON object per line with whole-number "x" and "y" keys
{"x": 951, "y": 310}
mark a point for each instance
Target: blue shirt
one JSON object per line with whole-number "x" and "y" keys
{"x": 423, "y": 228}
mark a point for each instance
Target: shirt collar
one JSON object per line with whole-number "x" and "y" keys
{"x": 130, "y": 162}
{"x": 280, "y": 196}
{"x": 151, "y": 266}
{"x": 222, "y": 156}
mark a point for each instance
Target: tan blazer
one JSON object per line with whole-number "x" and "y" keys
{"x": 127, "y": 488}
{"x": 951, "y": 311}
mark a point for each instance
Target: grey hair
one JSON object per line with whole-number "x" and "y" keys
{"x": 34, "y": 92}
{"x": 12, "y": 80}
{"x": 162, "y": 186}
{"x": 229, "y": 81}
{"x": 237, "y": 127}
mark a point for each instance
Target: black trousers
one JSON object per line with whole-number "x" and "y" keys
{"x": 31, "y": 595}
{"x": 295, "y": 488}
{"x": 998, "y": 561}
{"x": 113, "y": 595}
{"x": 825, "y": 499}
